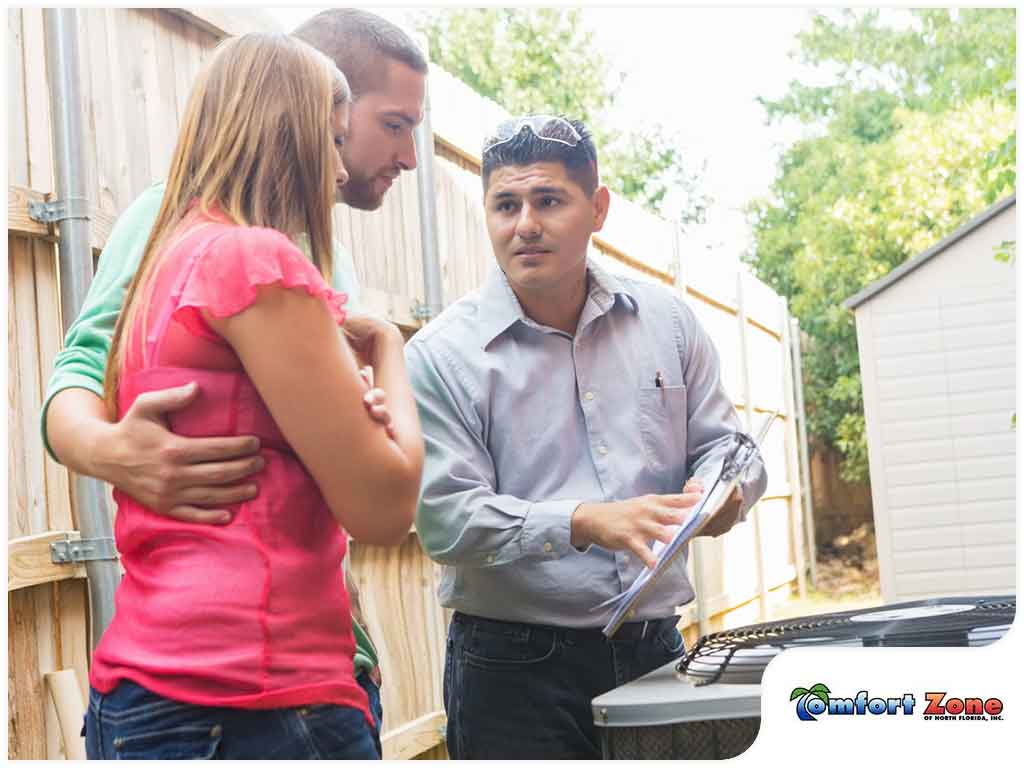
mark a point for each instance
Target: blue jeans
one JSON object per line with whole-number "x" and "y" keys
{"x": 131, "y": 723}
{"x": 523, "y": 691}
{"x": 376, "y": 709}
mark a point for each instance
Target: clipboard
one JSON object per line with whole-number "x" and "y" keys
{"x": 732, "y": 467}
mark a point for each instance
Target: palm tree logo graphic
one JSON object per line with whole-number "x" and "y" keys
{"x": 818, "y": 692}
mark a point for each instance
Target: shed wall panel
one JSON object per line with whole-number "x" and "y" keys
{"x": 938, "y": 351}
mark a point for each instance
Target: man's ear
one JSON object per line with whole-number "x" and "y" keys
{"x": 602, "y": 199}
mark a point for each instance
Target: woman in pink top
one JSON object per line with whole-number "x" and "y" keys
{"x": 236, "y": 641}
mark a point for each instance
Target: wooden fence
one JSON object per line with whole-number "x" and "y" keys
{"x": 136, "y": 69}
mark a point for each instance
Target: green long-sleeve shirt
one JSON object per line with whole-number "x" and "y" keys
{"x": 84, "y": 358}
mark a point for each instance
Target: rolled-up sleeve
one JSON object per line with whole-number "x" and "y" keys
{"x": 711, "y": 417}
{"x": 461, "y": 519}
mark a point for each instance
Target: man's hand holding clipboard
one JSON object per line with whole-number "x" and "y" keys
{"x": 721, "y": 483}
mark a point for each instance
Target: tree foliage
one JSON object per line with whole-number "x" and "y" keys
{"x": 545, "y": 60}
{"x": 912, "y": 136}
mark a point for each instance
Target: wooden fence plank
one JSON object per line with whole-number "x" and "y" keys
{"x": 100, "y": 107}
{"x": 46, "y": 655}
{"x": 67, "y": 699}
{"x": 74, "y": 636}
{"x": 158, "y": 89}
{"x": 393, "y": 307}
{"x": 48, "y": 321}
{"x": 136, "y": 41}
{"x": 26, "y": 719}
{"x": 386, "y": 227}
{"x": 414, "y": 738}
{"x": 37, "y": 101}
{"x": 118, "y": 160}
{"x": 205, "y": 41}
{"x": 440, "y": 752}
{"x": 87, "y": 102}
{"x": 17, "y": 130}
{"x": 411, "y": 241}
{"x": 181, "y": 52}
{"x": 29, "y": 563}
{"x": 400, "y": 606}
{"x": 24, "y": 439}
{"x": 221, "y": 22}
{"x": 17, "y": 481}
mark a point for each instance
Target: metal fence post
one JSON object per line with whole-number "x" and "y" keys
{"x": 433, "y": 286}
{"x": 805, "y": 466}
{"x": 748, "y": 409}
{"x": 796, "y": 485}
{"x": 75, "y": 275}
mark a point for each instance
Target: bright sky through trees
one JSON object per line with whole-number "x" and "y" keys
{"x": 697, "y": 71}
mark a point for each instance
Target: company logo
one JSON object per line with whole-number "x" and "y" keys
{"x": 818, "y": 700}
{"x": 941, "y": 706}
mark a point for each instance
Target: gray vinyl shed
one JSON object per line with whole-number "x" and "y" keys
{"x": 937, "y": 342}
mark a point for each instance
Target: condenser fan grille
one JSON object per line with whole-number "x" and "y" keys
{"x": 740, "y": 655}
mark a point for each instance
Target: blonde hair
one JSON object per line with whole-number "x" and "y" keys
{"x": 256, "y": 145}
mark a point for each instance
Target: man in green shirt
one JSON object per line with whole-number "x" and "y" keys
{"x": 195, "y": 479}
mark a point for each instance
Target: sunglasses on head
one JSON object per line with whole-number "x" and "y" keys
{"x": 546, "y": 127}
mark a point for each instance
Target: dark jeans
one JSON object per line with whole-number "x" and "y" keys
{"x": 132, "y": 723}
{"x": 376, "y": 708}
{"x": 523, "y": 691}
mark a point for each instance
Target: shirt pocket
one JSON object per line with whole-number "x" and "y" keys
{"x": 662, "y": 427}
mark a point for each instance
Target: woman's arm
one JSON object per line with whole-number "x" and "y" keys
{"x": 308, "y": 376}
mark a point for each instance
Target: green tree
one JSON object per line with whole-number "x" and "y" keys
{"x": 544, "y": 60}
{"x": 912, "y": 136}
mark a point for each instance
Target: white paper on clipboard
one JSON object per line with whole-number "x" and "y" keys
{"x": 725, "y": 473}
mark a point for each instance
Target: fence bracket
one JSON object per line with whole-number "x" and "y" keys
{"x": 82, "y": 550}
{"x": 421, "y": 311}
{"x": 53, "y": 211}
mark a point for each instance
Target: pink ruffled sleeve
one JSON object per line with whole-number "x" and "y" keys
{"x": 225, "y": 276}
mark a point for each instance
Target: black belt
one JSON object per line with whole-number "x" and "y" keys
{"x": 631, "y": 632}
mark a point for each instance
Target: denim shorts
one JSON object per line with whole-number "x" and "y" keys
{"x": 132, "y": 723}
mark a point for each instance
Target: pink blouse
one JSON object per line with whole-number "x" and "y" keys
{"x": 253, "y": 614}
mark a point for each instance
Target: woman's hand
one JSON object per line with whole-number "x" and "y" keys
{"x": 368, "y": 336}
{"x": 375, "y": 400}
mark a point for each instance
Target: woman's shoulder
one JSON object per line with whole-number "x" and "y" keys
{"x": 225, "y": 237}
{"x": 234, "y": 261}
{"x": 234, "y": 248}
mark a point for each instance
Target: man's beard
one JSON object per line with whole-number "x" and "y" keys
{"x": 359, "y": 193}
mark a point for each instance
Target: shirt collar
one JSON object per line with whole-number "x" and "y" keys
{"x": 606, "y": 287}
{"x": 500, "y": 309}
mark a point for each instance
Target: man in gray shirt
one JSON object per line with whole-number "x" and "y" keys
{"x": 567, "y": 416}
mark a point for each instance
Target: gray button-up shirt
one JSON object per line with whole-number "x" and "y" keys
{"x": 523, "y": 423}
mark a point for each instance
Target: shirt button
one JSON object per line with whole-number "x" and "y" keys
{"x": 547, "y": 546}
{"x": 625, "y": 559}
{"x": 603, "y": 450}
{"x": 588, "y": 396}
{"x": 490, "y": 558}
{"x": 216, "y": 731}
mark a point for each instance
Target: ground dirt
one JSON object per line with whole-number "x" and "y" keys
{"x": 847, "y": 578}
